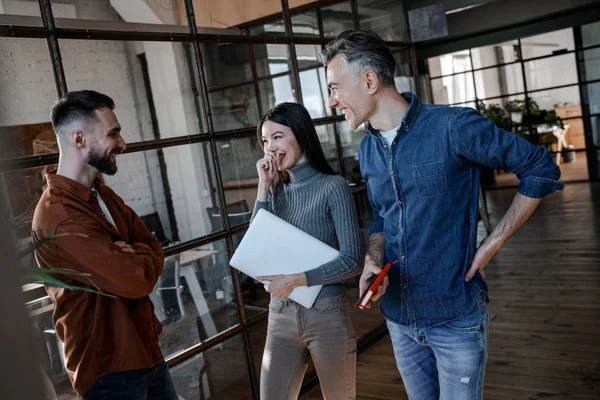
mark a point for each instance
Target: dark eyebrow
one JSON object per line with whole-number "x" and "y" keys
{"x": 283, "y": 133}
{"x": 115, "y": 129}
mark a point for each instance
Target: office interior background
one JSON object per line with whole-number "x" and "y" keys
{"x": 191, "y": 78}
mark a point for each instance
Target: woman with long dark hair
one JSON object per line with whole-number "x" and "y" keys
{"x": 297, "y": 184}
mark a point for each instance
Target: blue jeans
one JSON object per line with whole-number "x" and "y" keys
{"x": 140, "y": 384}
{"x": 445, "y": 362}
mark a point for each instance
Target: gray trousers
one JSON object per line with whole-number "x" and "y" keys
{"x": 295, "y": 335}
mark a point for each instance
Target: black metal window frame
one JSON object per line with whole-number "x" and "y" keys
{"x": 52, "y": 34}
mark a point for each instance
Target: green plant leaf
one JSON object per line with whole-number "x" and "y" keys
{"x": 44, "y": 275}
{"x": 33, "y": 246}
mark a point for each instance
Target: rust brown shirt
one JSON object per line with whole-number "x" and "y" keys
{"x": 101, "y": 334}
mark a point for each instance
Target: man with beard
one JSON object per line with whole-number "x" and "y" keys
{"x": 110, "y": 339}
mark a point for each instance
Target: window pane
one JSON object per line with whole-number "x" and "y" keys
{"x": 149, "y": 82}
{"x": 386, "y": 18}
{"x": 453, "y": 89}
{"x": 549, "y": 72}
{"x": 315, "y": 93}
{"x": 595, "y": 122}
{"x": 350, "y": 139}
{"x": 590, "y": 34}
{"x": 255, "y": 297}
{"x": 194, "y": 297}
{"x": 271, "y": 59}
{"x": 24, "y": 188}
{"x": 27, "y": 12}
{"x": 547, "y": 43}
{"x": 226, "y": 64}
{"x": 237, "y": 159}
{"x": 272, "y": 28}
{"x": 591, "y": 64}
{"x": 494, "y": 82}
{"x": 308, "y": 55}
{"x": 306, "y": 23}
{"x": 234, "y": 108}
{"x": 326, "y": 135}
{"x": 403, "y": 75}
{"x": 220, "y": 372}
{"x": 495, "y": 54}
{"x": 592, "y": 93}
{"x": 118, "y": 15}
{"x": 28, "y": 92}
{"x": 171, "y": 189}
{"x": 337, "y": 19}
{"x": 552, "y": 99}
{"x": 275, "y": 91}
{"x": 451, "y": 63}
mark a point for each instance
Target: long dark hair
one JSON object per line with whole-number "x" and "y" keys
{"x": 297, "y": 118}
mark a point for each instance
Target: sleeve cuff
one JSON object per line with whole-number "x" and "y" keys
{"x": 537, "y": 187}
{"x": 314, "y": 277}
{"x": 261, "y": 204}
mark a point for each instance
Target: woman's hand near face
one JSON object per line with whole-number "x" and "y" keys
{"x": 266, "y": 168}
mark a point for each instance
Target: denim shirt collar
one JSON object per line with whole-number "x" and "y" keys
{"x": 410, "y": 117}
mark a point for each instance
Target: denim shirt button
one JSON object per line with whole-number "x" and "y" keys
{"x": 401, "y": 230}
{"x": 393, "y": 172}
{"x": 403, "y": 258}
{"x": 405, "y": 286}
{"x": 399, "y": 201}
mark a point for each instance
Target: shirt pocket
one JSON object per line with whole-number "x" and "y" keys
{"x": 430, "y": 179}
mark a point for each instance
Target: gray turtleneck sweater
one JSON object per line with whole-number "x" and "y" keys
{"x": 322, "y": 206}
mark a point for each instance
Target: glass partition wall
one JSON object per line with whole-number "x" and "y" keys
{"x": 542, "y": 87}
{"x": 190, "y": 80}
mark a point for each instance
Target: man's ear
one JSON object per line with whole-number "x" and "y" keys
{"x": 372, "y": 81}
{"x": 78, "y": 139}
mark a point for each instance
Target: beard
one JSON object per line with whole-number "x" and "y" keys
{"x": 102, "y": 163}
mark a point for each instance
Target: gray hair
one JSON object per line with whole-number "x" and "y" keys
{"x": 363, "y": 50}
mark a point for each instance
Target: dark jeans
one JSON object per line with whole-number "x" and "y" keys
{"x": 140, "y": 384}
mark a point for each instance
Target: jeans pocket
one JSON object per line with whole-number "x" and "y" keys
{"x": 472, "y": 322}
{"x": 329, "y": 305}
{"x": 276, "y": 305}
{"x": 430, "y": 178}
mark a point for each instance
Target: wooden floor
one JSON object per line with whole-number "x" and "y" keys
{"x": 544, "y": 285}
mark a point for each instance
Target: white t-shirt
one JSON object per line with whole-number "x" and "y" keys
{"x": 103, "y": 207}
{"x": 390, "y": 135}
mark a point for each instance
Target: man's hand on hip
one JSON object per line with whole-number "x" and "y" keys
{"x": 485, "y": 252}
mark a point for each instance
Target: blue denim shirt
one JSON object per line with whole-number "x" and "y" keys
{"x": 424, "y": 193}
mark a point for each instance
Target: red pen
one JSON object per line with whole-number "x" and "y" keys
{"x": 364, "y": 299}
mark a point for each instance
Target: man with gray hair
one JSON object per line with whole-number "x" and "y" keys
{"x": 421, "y": 163}
{"x": 111, "y": 339}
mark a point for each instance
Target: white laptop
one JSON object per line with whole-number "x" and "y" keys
{"x": 272, "y": 246}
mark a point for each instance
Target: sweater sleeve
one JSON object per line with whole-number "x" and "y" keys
{"x": 340, "y": 204}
